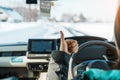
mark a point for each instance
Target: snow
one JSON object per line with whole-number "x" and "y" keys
{"x": 12, "y": 14}
{"x": 21, "y": 32}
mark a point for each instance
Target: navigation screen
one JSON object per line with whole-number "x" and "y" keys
{"x": 41, "y": 46}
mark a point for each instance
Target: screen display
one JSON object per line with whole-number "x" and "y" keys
{"x": 41, "y": 46}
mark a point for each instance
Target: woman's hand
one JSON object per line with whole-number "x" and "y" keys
{"x": 69, "y": 46}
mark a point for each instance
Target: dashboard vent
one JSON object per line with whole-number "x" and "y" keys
{"x": 12, "y": 53}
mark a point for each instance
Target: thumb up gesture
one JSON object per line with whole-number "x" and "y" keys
{"x": 69, "y": 45}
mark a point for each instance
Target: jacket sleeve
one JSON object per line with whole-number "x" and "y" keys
{"x": 58, "y": 66}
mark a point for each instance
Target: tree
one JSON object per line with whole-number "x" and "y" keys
{"x": 82, "y": 18}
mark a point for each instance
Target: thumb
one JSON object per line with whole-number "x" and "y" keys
{"x": 63, "y": 45}
{"x": 62, "y": 37}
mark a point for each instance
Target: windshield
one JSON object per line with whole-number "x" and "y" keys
{"x": 21, "y": 20}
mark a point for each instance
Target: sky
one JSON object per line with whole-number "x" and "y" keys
{"x": 93, "y": 9}
{"x": 102, "y": 9}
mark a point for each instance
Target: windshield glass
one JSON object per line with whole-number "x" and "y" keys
{"x": 21, "y": 20}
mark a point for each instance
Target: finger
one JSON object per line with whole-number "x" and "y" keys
{"x": 72, "y": 46}
{"x": 71, "y": 43}
{"x": 62, "y": 36}
{"x": 75, "y": 49}
{"x": 63, "y": 46}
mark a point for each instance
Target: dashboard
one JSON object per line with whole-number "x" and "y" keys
{"x": 33, "y": 57}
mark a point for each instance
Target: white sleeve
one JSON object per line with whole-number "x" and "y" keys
{"x": 53, "y": 67}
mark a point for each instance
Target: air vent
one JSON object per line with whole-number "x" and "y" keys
{"x": 12, "y": 53}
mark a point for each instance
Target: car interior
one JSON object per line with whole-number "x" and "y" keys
{"x": 29, "y": 59}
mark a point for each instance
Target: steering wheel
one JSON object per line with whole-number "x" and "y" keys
{"x": 78, "y": 57}
{"x": 75, "y": 58}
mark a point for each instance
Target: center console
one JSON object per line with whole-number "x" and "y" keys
{"x": 40, "y": 49}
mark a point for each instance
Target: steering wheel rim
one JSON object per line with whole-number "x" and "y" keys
{"x": 84, "y": 45}
{"x": 94, "y": 42}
